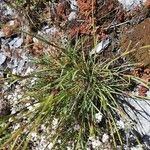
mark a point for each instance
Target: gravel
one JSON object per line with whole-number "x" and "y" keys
{"x": 129, "y": 4}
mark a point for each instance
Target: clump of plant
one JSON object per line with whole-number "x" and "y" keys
{"x": 77, "y": 91}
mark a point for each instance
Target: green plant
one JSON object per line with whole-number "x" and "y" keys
{"x": 73, "y": 88}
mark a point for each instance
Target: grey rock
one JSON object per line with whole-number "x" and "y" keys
{"x": 140, "y": 113}
{"x": 2, "y": 58}
{"x": 101, "y": 46}
{"x": 16, "y": 42}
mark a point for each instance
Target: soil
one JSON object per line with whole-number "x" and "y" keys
{"x": 138, "y": 36}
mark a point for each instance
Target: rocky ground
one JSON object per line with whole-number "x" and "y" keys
{"x": 26, "y": 35}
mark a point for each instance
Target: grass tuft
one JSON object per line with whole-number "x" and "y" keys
{"x": 74, "y": 89}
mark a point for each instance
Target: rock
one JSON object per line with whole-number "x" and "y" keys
{"x": 73, "y": 5}
{"x": 105, "y": 138}
{"x": 74, "y": 8}
{"x": 101, "y": 46}
{"x": 128, "y": 4}
{"x": 138, "y": 35}
{"x": 2, "y": 58}
{"x": 2, "y": 34}
{"x": 72, "y": 16}
{"x": 141, "y": 115}
{"x": 15, "y": 43}
{"x": 4, "y": 108}
{"x": 147, "y": 4}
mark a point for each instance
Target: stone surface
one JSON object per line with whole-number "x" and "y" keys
{"x": 140, "y": 114}
{"x": 138, "y": 36}
{"x": 131, "y": 3}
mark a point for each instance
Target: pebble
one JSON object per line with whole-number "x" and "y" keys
{"x": 120, "y": 124}
{"x": 2, "y": 34}
{"x": 55, "y": 123}
{"x": 98, "y": 117}
{"x": 9, "y": 96}
{"x": 20, "y": 96}
{"x": 129, "y": 4}
{"x": 96, "y": 143}
{"x": 138, "y": 147}
{"x": 73, "y": 5}
{"x": 105, "y": 138}
{"x": 16, "y": 42}
{"x": 11, "y": 23}
{"x": 2, "y": 58}
{"x": 50, "y": 146}
{"x": 72, "y": 16}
